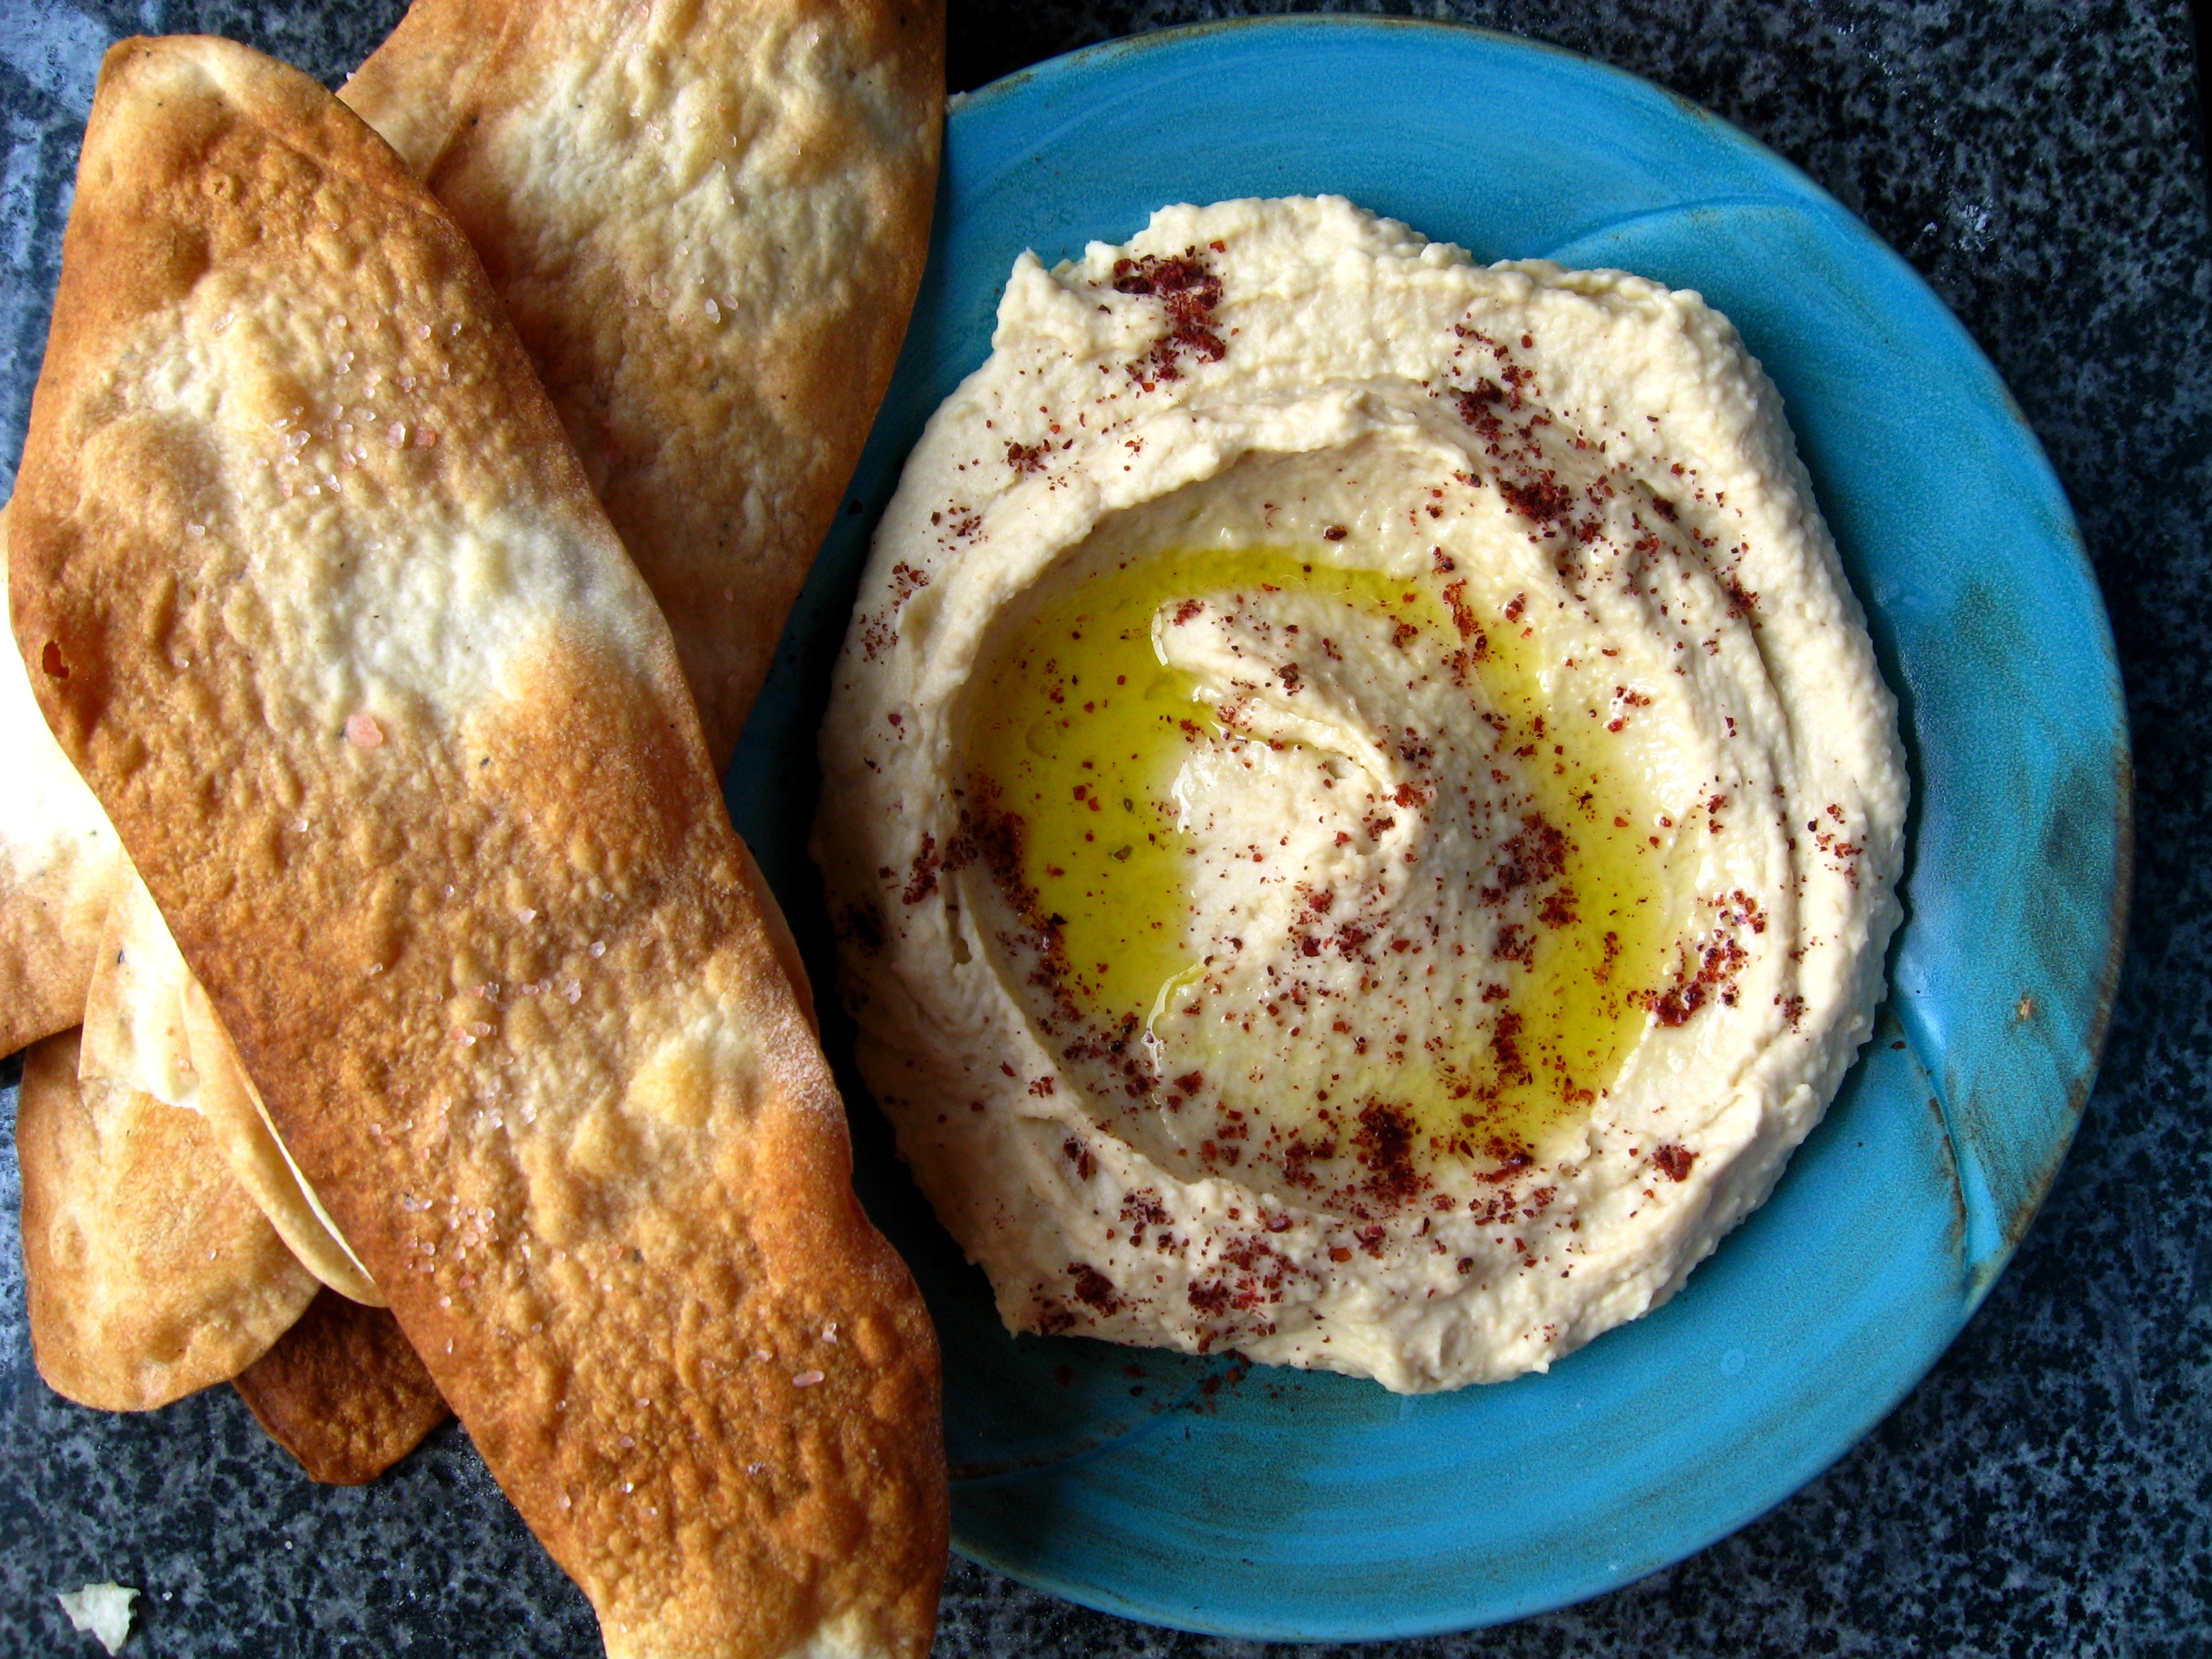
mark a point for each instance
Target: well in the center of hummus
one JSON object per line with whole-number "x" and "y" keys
{"x": 1358, "y": 808}
{"x": 1364, "y": 941}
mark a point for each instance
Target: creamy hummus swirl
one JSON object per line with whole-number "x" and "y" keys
{"x": 1359, "y": 808}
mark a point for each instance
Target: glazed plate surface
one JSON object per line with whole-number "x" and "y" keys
{"x": 1271, "y": 1504}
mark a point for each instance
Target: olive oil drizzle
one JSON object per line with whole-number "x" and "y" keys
{"x": 1077, "y": 730}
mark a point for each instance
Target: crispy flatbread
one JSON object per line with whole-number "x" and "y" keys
{"x": 400, "y": 743}
{"x": 59, "y": 866}
{"x": 708, "y": 222}
{"x": 148, "y": 1025}
{"x": 342, "y": 1392}
{"x": 149, "y": 1273}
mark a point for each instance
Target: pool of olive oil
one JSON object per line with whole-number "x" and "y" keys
{"x": 1078, "y": 728}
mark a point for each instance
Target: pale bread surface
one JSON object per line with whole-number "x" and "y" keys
{"x": 400, "y": 743}
{"x": 134, "y": 1011}
{"x": 59, "y": 866}
{"x": 342, "y": 1392}
{"x": 708, "y": 222}
{"x": 148, "y": 1274}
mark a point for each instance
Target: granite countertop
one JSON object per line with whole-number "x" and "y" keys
{"x": 2048, "y": 1488}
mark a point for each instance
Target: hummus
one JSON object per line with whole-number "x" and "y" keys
{"x": 1359, "y": 810}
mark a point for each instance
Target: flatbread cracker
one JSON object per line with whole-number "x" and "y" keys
{"x": 707, "y": 222}
{"x": 342, "y": 1392}
{"x": 59, "y": 866}
{"x": 399, "y": 742}
{"x": 149, "y": 1273}
{"x": 148, "y": 1025}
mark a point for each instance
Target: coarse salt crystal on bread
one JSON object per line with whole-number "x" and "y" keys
{"x": 288, "y": 463}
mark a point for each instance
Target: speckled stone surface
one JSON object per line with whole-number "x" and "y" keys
{"x": 2048, "y": 1489}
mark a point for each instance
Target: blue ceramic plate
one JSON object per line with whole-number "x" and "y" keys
{"x": 1273, "y": 1503}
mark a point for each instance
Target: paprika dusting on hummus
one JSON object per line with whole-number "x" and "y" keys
{"x": 1360, "y": 810}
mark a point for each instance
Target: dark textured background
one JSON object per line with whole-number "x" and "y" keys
{"x": 2048, "y": 1489}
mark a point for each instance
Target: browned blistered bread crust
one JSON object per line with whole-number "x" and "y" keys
{"x": 321, "y": 605}
{"x": 708, "y": 222}
{"x": 149, "y": 1273}
{"x": 342, "y": 1392}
